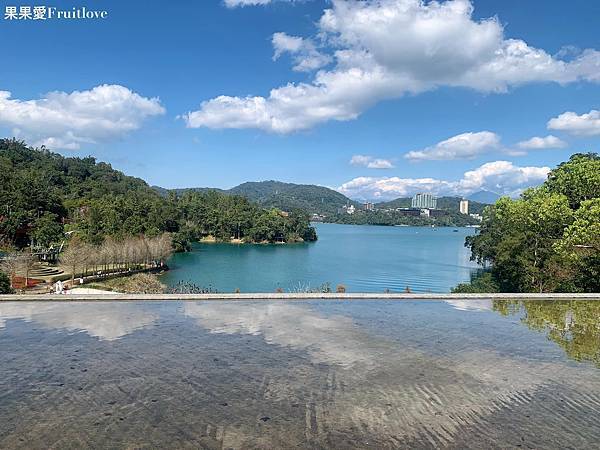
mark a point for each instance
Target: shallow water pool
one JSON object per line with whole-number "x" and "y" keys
{"x": 302, "y": 374}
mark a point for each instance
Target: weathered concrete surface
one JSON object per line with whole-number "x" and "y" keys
{"x": 295, "y": 296}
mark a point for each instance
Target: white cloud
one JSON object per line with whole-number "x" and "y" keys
{"x": 538, "y": 143}
{"x": 304, "y": 53}
{"x": 584, "y": 125}
{"x": 236, "y": 3}
{"x": 462, "y": 146}
{"x": 385, "y": 49}
{"x": 66, "y": 120}
{"x": 387, "y": 188}
{"x": 370, "y": 162}
{"x": 498, "y": 176}
{"x": 502, "y": 177}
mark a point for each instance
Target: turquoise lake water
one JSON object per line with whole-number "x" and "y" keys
{"x": 362, "y": 258}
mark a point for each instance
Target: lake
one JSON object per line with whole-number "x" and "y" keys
{"x": 362, "y": 258}
{"x": 460, "y": 374}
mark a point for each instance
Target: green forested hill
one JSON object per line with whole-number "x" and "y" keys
{"x": 314, "y": 199}
{"x": 485, "y": 197}
{"x": 286, "y": 196}
{"x": 324, "y": 201}
{"x": 453, "y": 203}
{"x": 44, "y": 194}
{"x": 180, "y": 191}
{"x": 403, "y": 202}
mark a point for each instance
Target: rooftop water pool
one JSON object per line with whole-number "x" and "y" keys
{"x": 457, "y": 373}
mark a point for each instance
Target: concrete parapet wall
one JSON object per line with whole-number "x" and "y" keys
{"x": 294, "y": 297}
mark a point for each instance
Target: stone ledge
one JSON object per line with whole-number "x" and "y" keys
{"x": 294, "y": 297}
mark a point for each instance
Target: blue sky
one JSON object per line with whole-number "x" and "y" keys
{"x": 379, "y": 99}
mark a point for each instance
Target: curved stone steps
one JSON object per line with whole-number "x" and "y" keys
{"x": 45, "y": 271}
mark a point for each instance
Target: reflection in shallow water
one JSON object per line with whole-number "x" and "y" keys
{"x": 390, "y": 390}
{"x": 107, "y": 321}
{"x": 292, "y": 375}
{"x": 326, "y": 339}
{"x": 574, "y": 325}
{"x": 471, "y": 305}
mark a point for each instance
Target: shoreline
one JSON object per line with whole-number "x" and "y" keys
{"x": 395, "y": 225}
{"x": 212, "y": 240}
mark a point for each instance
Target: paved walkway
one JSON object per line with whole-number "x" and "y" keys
{"x": 89, "y": 291}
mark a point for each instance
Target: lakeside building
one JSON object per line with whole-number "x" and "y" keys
{"x": 413, "y": 212}
{"x": 422, "y": 212}
{"x": 476, "y": 216}
{"x": 349, "y": 209}
{"x": 369, "y": 206}
{"x": 424, "y": 200}
{"x": 464, "y": 206}
{"x": 437, "y": 212}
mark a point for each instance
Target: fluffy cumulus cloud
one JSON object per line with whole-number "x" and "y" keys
{"x": 383, "y": 49}
{"x": 63, "y": 120}
{"x": 370, "y": 162}
{"x": 304, "y": 53}
{"x": 539, "y": 143}
{"x": 499, "y": 176}
{"x": 587, "y": 124}
{"x": 462, "y": 146}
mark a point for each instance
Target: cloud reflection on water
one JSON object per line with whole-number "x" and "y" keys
{"x": 394, "y": 390}
{"x": 327, "y": 339}
{"x": 472, "y": 305}
{"x": 107, "y": 320}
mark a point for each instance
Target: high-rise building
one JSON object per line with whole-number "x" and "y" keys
{"x": 368, "y": 206}
{"x": 464, "y": 206}
{"x": 424, "y": 200}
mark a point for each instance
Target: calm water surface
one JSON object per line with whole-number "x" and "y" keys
{"x": 305, "y": 374}
{"x": 362, "y": 258}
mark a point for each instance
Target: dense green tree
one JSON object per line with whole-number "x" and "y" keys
{"x": 481, "y": 282}
{"x": 547, "y": 240}
{"x": 578, "y": 179}
{"x": 580, "y": 246}
{"x": 225, "y": 217}
{"x": 47, "y": 229}
{"x": 40, "y": 190}
{"x": 5, "y": 287}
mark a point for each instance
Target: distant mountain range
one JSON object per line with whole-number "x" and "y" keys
{"x": 484, "y": 196}
{"x": 322, "y": 200}
{"x": 285, "y": 196}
